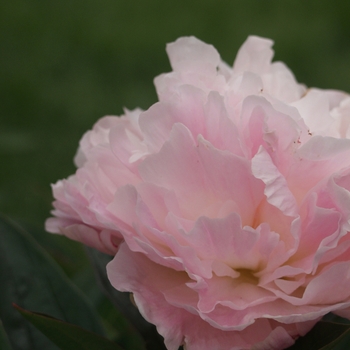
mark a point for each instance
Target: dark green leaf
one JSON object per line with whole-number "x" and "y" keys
{"x": 65, "y": 335}
{"x": 325, "y": 336}
{"x": 335, "y": 319}
{"x": 29, "y": 277}
{"x": 123, "y": 303}
{"x": 4, "y": 342}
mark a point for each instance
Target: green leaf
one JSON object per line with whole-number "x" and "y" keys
{"x": 335, "y": 319}
{"x": 325, "y": 336}
{"x": 4, "y": 342}
{"x": 123, "y": 303}
{"x": 31, "y": 278}
{"x": 65, "y": 335}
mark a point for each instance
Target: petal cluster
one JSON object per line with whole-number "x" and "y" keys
{"x": 226, "y": 204}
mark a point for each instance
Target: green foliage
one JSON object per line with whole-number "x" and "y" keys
{"x": 65, "y": 335}
{"x": 30, "y": 278}
{"x": 4, "y": 342}
{"x": 325, "y": 336}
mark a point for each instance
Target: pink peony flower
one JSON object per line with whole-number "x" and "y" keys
{"x": 226, "y": 203}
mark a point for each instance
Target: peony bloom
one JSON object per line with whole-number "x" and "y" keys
{"x": 226, "y": 203}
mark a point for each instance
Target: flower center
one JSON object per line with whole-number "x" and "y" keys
{"x": 248, "y": 276}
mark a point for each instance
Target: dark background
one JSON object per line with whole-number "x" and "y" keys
{"x": 64, "y": 64}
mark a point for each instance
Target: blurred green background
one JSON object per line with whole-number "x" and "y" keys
{"x": 64, "y": 64}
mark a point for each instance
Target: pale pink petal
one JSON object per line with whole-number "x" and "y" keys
{"x": 104, "y": 241}
{"x": 280, "y": 83}
{"x": 133, "y": 272}
{"x": 262, "y": 125}
{"x": 255, "y": 56}
{"x": 315, "y": 103}
{"x": 329, "y": 287}
{"x": 278, "y": 339}
{"x": 319, "y": 158}
{"x": 276, "y": 187}
{"x": 219, "y": 129}
{"x": 192, "y": 54}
